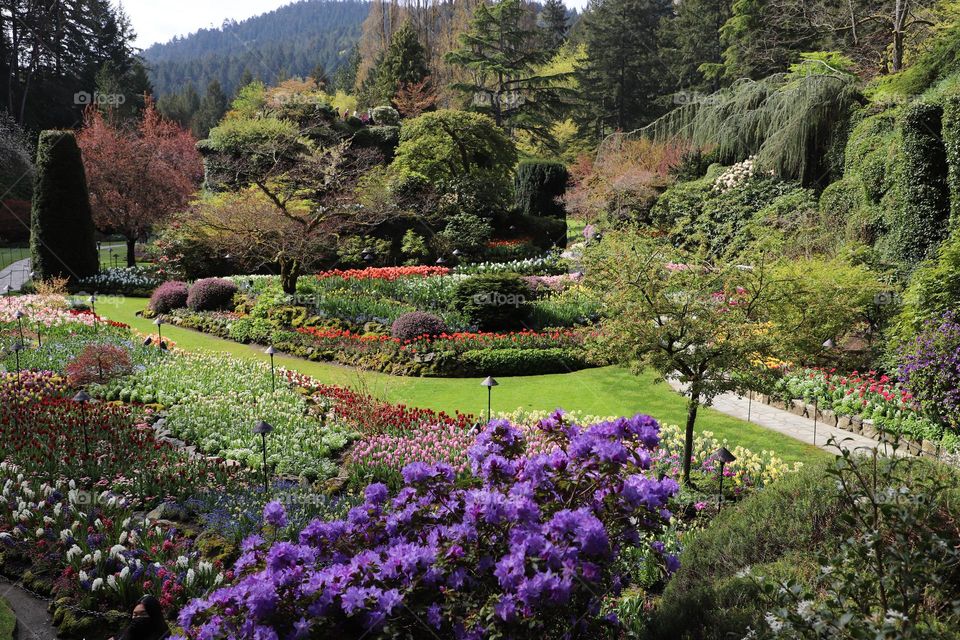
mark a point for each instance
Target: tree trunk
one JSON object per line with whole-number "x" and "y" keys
{"x": 897, "y": 51}
{"x": 131, "y": 252}
{"x": 692, "y": 406}
{"x": 289, "y": 274}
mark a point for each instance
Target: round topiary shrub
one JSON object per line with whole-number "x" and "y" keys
{"x": 417, "y": 323}
{"x": 211, "y": 294}
{"x": 169, "y": 296}
{"x": 494, "y": 301}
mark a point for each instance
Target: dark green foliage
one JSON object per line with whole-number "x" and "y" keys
{"x": 383, "y": 138}
{"x": 951, "y": 144}
{"x": 921, "y": 223}
{"x": 775, "y": 529}
{"x": 404, "y": 63}
{"x": 545, "y": 232}
{"x": 62, "y": 232}
{"x": 494, "y": 302}
{"x": 539, "y": 186}
{"x": 934, "y": 289}
{"x": 692, "y": 46}
{"x": 290, "y": 41}
{"x": 211, "y": 110}
{"x": 501, "y": 56}
{"x": 554, "y": 23}
{"x": 624, "y": 74}
{"x": 520, "y": 362}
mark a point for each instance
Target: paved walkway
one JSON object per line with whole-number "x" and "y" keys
{"x": 787, "y": 423}
{"x": 16, "y": 275}
{"x": 33, "y": 620}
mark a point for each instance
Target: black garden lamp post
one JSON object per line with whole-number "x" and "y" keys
{"x": 489, "y": 383}
{"x": 273, "y": 377}
{"x": 724, "y": 457}
{"x": 83, "y": 398}
{"x": 17, "y": 348}
{"x": 828, "y": 345}
{"x": 93, "y": 309}
{"x": 159, "y": 323}
{"x": 262, "y": 429}
{"x": 20, "y": 315}
{"x": 441, "y": 262}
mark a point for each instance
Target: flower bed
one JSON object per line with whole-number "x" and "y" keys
{"x": 128, "y": 281}
{"x": 384, "y": 273}
{"x": 866, "y": 396}
{"x": 529, "y": 553}
{"x": 89, "y": 548}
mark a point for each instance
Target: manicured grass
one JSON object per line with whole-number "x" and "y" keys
{"x": 8, "y": 621}
{"x": 604, "y": 392}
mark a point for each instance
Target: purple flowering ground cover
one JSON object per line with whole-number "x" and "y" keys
{"x": 527, "y": 551}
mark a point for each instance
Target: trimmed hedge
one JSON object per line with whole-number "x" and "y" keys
{"x": 494, "y": 301}
{"x": 61, "y": 224}
{"x": 539, "y": 186}
{"x": 519, "y": 362}
{"x": 169, "y": 296}
{"x": 921, "y": 222}
{"x": 417, "y": 323}
{"x": 951, "y": 143}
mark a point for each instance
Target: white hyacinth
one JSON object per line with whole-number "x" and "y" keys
{"x": 73, "y": 552}
{"x": 97, "y": 584}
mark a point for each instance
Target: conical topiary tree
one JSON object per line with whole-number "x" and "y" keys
{"x": 62, "y": 240}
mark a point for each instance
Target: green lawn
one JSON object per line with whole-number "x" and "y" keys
{"x": 9, "y": 255}
{"x": 8, "y": 621}
{"x": 606, "y": 391}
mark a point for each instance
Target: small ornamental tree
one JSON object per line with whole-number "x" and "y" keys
{"x": 680, "y": 315}
{"x": 138, "y": 177}
{"x": 61, "y": 225}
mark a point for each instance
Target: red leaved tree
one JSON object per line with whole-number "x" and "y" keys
{"x": 138, "y": 175}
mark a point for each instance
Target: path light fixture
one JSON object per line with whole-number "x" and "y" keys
{"x": 20, "y": 315}
{"x": 273, "y": 377}
{"x": 93, "y": 310}
{"x": 5, "y": 290}
{"x": 159, "y": 323}
{"x": 489, "y": 383}
{"x": 724, "y": 457}
{"x": 17, "y": 348}
{"x": 39, "y": 335}
{"x": 262, "y": 429}
{"x": 83, "y": 398}
{"x": 828, "y": 345}
{"x": 441, "y": 261}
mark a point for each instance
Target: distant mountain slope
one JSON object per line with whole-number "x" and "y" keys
{"x": 291, "y": 41}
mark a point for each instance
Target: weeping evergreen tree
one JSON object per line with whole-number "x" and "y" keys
{"x": 787, "y": 120}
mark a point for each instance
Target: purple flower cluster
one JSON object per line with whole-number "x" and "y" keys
{"x": 527, "y": 552}
{"x": 930, "y": 370}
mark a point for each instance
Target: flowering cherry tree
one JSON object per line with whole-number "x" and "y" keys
{"x": 137, "y": 177}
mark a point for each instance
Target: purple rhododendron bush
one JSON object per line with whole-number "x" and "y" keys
{"x": 527, "y": 551}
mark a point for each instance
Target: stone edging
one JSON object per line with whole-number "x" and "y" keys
{"x": 853, "y": 424}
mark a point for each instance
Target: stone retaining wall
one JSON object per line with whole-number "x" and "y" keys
{"x": 853, "y": 424}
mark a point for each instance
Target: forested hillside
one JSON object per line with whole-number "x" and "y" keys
{"x": 291, "y": 41}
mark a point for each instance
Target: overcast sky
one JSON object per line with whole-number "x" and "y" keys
{"x": 159, "y": 21}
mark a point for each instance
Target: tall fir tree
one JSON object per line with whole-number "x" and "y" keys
{"x": 405, "y": 63}
{"x": 503, "y": 55}
{"x": 555, "y": 24}
{"x": 692, "y": 46}
{"x": 345, "y": 77}
{"x": 623, "y": 76}
{"x": 61, "y": 224}
{"x": 210, "y": 111}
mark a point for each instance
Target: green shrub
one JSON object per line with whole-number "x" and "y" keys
{"x": 249, "y": 330}
{"x": 519, "y": 362}
{"x": 61, "y": 223}
{"x": 546, "y": 232}
{"x": 494, "y": 301}
{"x": 416, "y": 324}
{"x": 383, "y": 138}
{"x": 774, "y": 529}
{"x": 539, "y": 185}
{"x": 921, "y": 223}
{"x": 386, "y": 116}
{"x": 934, "y": 289}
